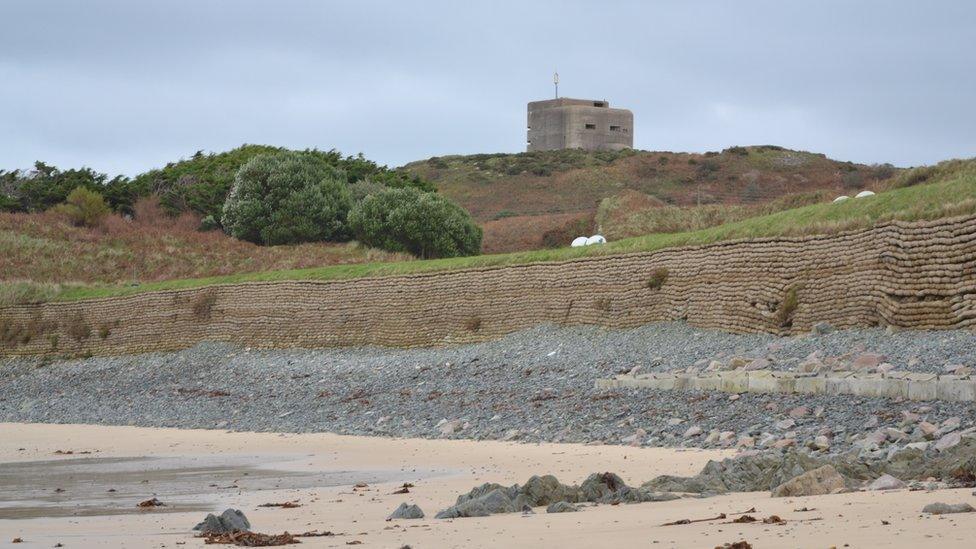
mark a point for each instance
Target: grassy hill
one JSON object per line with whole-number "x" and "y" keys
{"x": 923, "y": 193}
{"x": 520, "y": 198}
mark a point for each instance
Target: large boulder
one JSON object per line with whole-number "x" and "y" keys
{"x": 231, "y": 520}
{"x": 947, "y": 508}
{"x": 562, "y": 507}
{"x": 496, "y": 501}
{"x": 547, "y": 489}
{"x": 820, "y": 481}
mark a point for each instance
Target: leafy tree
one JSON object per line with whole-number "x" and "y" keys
{"x": 201, "y": 183}
{"x": 424, "y": 224}
{"x": 84, "y": 207}
{"x": 46, "y": 186}
{"x": 287, "y": 197}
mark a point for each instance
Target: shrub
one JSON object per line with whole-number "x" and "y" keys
{"x": 852, "y": 180}
{"x": 286, "y": 198}
{"x": 472, "y": 324}
{"x": 78, "y": 328}
{"x": 361, "y": 189}
{"x": 409, "y": 220}
{"x": 84, "y": 208}
{"x": 202, "y": 305}
{"x": 208, "y": 223}
{"x": 784, "y": 313}
{"x": 658, "y": 278}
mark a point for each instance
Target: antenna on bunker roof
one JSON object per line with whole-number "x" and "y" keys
{"x": 555, "y": 82}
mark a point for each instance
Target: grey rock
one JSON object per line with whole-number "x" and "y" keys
{"x": 406, "y": 511}
{"x": 886, "y": 482}
{"x": 562, "y": 507}
{"x": 820, "y": 481}
{"x": 231, "y": 520}
{"x": 947, "y": 508}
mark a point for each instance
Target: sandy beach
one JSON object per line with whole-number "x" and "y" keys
{"x": 319, "y": 472}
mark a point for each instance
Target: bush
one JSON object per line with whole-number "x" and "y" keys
{"x": 658, "y": 277}
{"x": 286, "y": 198}
{"x": 84, "y": 208}
{"x": 409, "y": 220}
{"x": 852, "y": 180}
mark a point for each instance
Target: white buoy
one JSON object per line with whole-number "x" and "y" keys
{"x": 596, "y": 239}
{"x": 864, "y": 194}
{"x": 842, "y": 198}
{"x": 579, "y": 241}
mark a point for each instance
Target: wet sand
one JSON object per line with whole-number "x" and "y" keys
{"x": 319, "y": 471}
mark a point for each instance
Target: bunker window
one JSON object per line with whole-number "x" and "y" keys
{"x": 591, "y": 126}
{"x": 615, "y": 128}
{"x": 599, "y": 104}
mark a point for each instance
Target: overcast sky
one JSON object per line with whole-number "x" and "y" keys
{"x": 123, "y": 86}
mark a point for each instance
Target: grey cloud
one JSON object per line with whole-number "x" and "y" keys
{"x": 123, "y": 86}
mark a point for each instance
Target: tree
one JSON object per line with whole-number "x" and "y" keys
{"x": 285, "y": 198}
{"x": 84, "y": 207}
{"x": 409, "y": 220}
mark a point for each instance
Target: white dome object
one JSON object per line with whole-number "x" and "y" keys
{"x": 596, "y": 239}
{"x": 863, "y": 194}
{"x": 842, "y": 198}
{"x": 579, "y": 241}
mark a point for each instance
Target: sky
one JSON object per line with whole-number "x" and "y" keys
{"x": 123, "y": 86}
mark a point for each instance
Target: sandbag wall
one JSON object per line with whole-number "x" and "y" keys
{"x": 918, "y": 275}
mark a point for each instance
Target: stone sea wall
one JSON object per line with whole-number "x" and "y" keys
{"x": 918, "y": 275}
{"x": 893, "y": 384}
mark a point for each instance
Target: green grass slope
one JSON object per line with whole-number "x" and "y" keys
{"x": 924, "y": 193}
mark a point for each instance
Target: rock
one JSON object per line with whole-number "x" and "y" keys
{"x": 785, "y": 424}
{"x": 885, "y": 367}
{"x": 927, "y": 429}
{"x": 546, "y": 489}
{"x": 820, "y": 481}
{"x": 726, "y": 438}
{"x": 601, "y": 486}
{"x": 821, "y": 328}
{"x": 405, "y": 511}
{"x": 712, "y": 437}
{"x": 821, "y": 442}
{"x": 734, "y": 397}
{"x": 784, "y": 443}
{"x": 675, "y": 421}
{"x": 947, "y": 508}
{"x": 737, "y": 362}
{"x": 693, "y": 431}
{"x": 511, "y": 434}
{"x": 745, "y": 442}
{"x": 757, "y": 364}
{"x": 886, "y": 482}
{"x": 562, "y": 507}
{"x": 449, "y": 427}
{"x": 231, "y": 520}
{"x": 909, "y": 418}
{"x": 867, "y": 361}
{"x": 895, "y": 434}
{"x": 948, "y": 426}
{"x": 799, "y": 411}
{"x": 495, "y": 501}
{"x": 947, "y": 441}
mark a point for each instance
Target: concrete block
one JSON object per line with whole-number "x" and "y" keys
{"x": 813, "y": 385}
{"x": 708, "y": 383}
{"x": 955, "y": 389}
{"x": 735, "y": 382}
{"x": 684, "y": 382}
